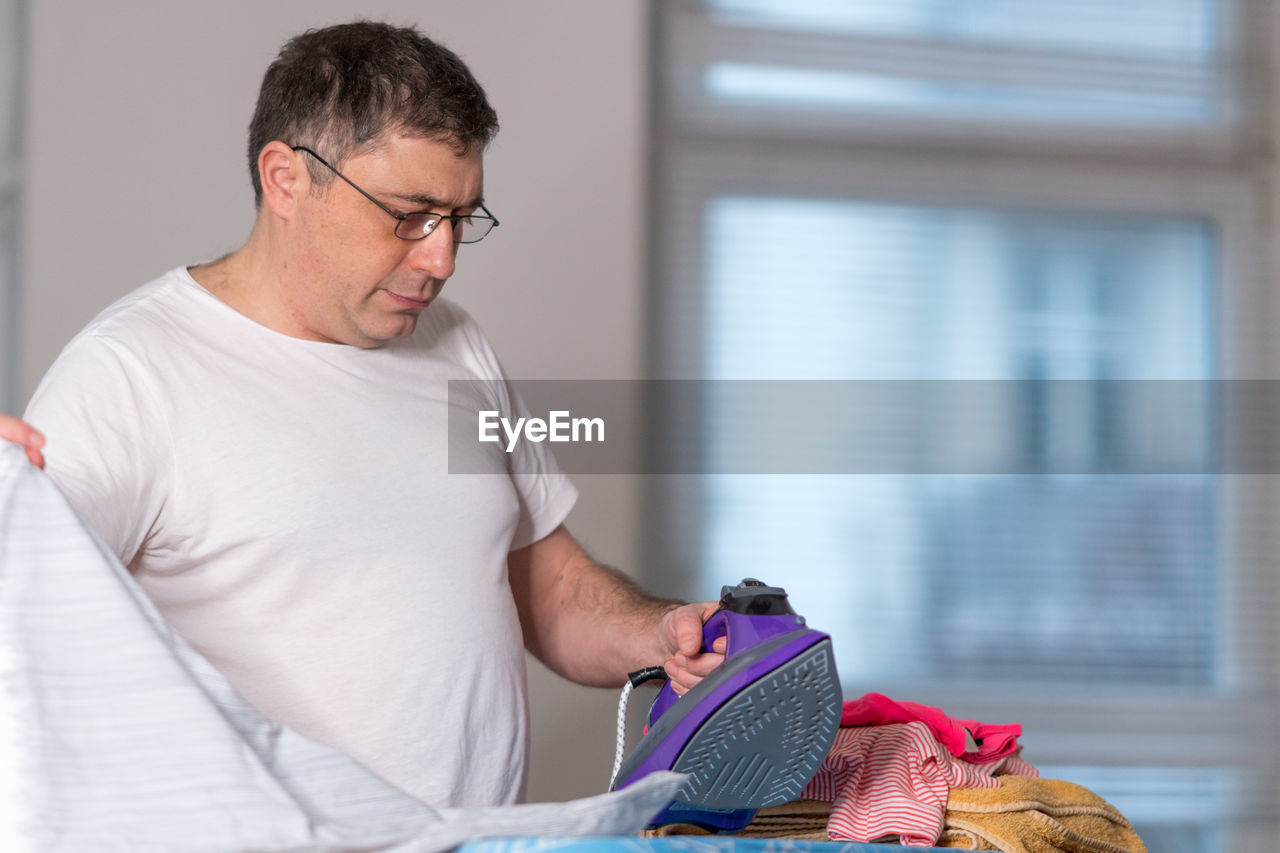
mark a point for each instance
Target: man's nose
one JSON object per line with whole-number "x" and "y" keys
{"x": 434, "y": 254}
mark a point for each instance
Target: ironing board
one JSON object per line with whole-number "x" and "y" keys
{"x": 686, "y": 844}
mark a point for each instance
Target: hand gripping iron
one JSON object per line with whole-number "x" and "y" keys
{"x": 753, "y": 732}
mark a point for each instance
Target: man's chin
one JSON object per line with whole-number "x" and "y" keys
{"x": 402, "y": 326}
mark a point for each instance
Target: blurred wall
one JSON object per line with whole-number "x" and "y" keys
{"x": 135, "y": 136}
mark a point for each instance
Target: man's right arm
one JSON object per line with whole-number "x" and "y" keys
{"x": 108, "y": 445}
{"x": 25, "y": 435}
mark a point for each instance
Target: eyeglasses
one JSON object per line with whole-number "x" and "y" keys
{"x": 466, "y": 227}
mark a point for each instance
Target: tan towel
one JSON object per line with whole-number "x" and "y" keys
{"x": 1030, "y": 815}
{"x": 802, "y": 819}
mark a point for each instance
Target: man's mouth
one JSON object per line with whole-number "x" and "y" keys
{"x": 408, "y": 301}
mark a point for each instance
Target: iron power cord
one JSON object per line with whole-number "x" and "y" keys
{"x": 634, "y": 679}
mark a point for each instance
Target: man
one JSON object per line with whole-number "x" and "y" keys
{"x": 262, "y": 440}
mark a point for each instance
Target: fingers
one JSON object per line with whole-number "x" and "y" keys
{"x": 22, "y": 433}
{"x": 688, "y": 664}
{"x": 685, "y": 671}
{"x": 36, "y": 457}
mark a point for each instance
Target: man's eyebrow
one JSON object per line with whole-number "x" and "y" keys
{"x": 424, "y": 202}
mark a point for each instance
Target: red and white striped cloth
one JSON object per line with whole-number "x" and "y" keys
{"x": 893, "y": 781}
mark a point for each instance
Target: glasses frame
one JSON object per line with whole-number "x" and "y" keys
{"x": 401, "y": 218}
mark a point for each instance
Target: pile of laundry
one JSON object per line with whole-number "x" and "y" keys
{"x": 908, "y": 773}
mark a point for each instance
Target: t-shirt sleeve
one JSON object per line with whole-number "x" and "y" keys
{"x": 108, "y": 448}
{"x": 545, "y": 492}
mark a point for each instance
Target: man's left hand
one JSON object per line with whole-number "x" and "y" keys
{"x": 682, "y": 628}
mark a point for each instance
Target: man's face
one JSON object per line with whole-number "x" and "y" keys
{"x": 355, "y": 281}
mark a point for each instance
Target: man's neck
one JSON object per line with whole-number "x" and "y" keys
{"x": 245, "y": 280}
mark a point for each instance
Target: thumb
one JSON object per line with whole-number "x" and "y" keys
{"x": 689, "y": 633}
{"x": 688, "y": 627}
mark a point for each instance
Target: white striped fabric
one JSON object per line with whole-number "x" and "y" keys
{"x": 116, "y": 736}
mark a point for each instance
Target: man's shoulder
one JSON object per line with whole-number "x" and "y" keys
{"x": 140, "y": 333}
{"x": 127, "y": 337}
{"x": 150, "y": 306}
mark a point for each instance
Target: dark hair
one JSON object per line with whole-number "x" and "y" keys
{"x": 340, "y": 88}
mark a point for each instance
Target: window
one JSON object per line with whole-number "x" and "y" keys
{"x": 1119, "y": 567}
{"x": 1060, "y": 197}
{"x": 10, "y": 196}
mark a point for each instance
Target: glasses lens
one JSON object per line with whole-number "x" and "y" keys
{"x": 415, "y": 226}
{"x": 471, "y": 229}
{"x": 466, "y": 229}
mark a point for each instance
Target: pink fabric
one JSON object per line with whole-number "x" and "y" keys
{"x": 893, "y": 780}
{"x": 876, "y": 709}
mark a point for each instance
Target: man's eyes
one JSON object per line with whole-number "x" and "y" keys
{"x": 462, "y": 214}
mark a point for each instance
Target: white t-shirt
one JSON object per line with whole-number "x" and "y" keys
{"x": 288, "y": 506}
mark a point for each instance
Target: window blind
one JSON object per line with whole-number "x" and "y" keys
{"x": 1100, "y": 579}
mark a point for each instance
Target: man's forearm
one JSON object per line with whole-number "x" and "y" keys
{"x": 586, "y": 621}
{"x": 602, "y": 603}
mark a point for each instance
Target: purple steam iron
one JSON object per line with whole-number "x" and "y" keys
{"x": 753, "y": 732}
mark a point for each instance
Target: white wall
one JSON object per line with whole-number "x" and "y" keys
{"x": 136, "y": 119}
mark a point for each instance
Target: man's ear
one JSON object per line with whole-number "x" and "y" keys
{"x": 284, "y": 178}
